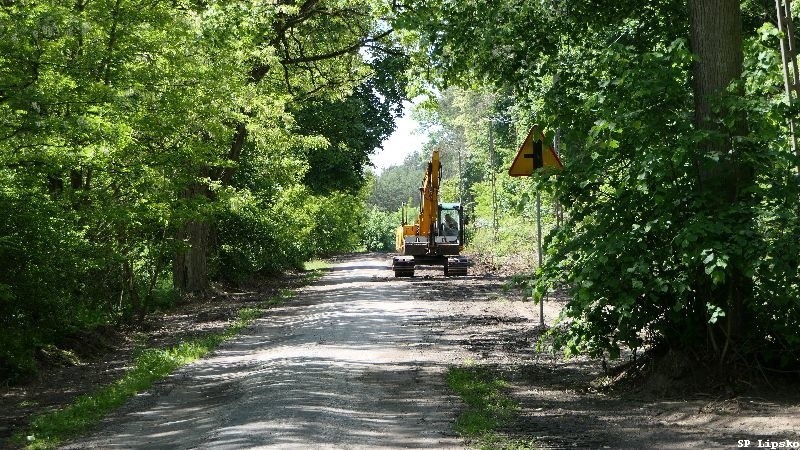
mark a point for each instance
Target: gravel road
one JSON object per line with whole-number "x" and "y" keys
{"x": 349, "y": 363}
{"x": 357, "y": 360}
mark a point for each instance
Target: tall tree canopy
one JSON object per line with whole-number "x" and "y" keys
{"x": 138, "y": 136}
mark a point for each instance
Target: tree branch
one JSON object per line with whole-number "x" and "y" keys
{"x": 350, "y": 49}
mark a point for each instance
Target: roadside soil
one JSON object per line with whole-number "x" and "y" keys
{"x": 85, "y": 361}
{"x": 357, "y": 361}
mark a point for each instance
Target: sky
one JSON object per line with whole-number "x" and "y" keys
{"x": 402, "y": 142}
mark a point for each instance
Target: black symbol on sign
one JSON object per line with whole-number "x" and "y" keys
{"x": 538, "y": 158}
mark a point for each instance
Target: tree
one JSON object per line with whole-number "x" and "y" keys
{"x": 355, "y": 126}
{"x": 723, "y": 179}
{"x": 300, "y": 52}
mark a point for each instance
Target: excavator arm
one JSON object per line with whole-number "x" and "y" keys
{"x": 429, "y": 193}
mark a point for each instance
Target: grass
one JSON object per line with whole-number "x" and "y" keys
{"x": 316, "y": 265}
{"x": 314, "y": 269}
{"x": 489, "y": 408}
{"x": 151, "y": 364}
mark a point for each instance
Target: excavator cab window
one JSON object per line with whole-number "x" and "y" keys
{"x": 450, "y": 222}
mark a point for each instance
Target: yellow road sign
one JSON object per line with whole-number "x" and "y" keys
{"x": 534, "y": 153}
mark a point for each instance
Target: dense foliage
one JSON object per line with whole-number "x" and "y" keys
{"x": 379, "y": 229}
{"x": 681, "y": 222}
{"x": 150, "y": 144}
{"x": 145, "y": 144}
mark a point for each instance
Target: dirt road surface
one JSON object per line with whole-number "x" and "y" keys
{"x": 350, "y": 363}
{"x": 357, "y": 360}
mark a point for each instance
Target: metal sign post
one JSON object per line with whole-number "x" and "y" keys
{"x": 539, "y": 249}
{"x": 791, "y": 76}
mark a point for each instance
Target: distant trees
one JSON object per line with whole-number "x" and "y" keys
{"x": 396, "y": 186}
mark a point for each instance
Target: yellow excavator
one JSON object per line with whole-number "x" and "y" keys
{"x": 437, "y": 236}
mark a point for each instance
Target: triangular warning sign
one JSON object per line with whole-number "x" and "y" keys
{"x": 534, "y": 153}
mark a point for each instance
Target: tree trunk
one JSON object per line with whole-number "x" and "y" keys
{"x": 190, "y": 267}
{"x": 716, "y": 41}
{"x": 139, "y": 309}
{"x": 716, "y": 33}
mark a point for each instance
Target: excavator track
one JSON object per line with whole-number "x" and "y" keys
{"x": 404, "y": 273}
{"x": 403, "y": 266}
{"x": 456, "y": 266}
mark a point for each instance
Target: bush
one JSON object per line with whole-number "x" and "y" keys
{"x": 378, "y": 232}
{"x": 38, "y": 277}
{"x": 338, "y": 219}
{"x": 256, "y": 237}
